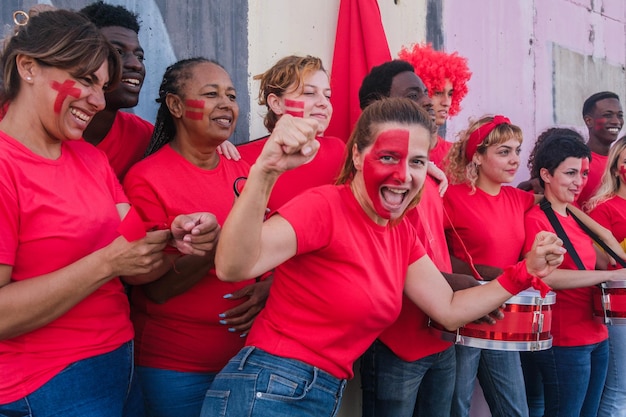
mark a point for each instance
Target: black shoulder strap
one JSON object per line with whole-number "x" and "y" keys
{"x": 560, "y": 232}
{"x": 599, "y": 241}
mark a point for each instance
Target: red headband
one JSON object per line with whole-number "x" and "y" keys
{"x": 478, "y": 135}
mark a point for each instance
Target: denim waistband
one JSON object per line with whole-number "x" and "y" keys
{"x": 254, "y": 355}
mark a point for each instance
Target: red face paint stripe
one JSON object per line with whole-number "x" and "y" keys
{"x": 294, "y": 108}
{"x": 193, "y": 115}
{"x": 65, "y": 89}
{"x": 194, "y": 104}
{"x": 294, "y": 103}
{"x": 294, "y": 113}
{"x": 197, "y": 104}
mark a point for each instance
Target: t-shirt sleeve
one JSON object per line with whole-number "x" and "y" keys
{"x": 417, "y": 250}
{"x": 309, "y": 214}
{"x": 144, "y": 198}
{"x": 534, "y": 223}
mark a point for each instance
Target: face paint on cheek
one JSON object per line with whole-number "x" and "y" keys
{"x": 195, "y": 109}
{"x": 622, "y": 173}
{"x": 599, "y": 123}
{"x": 64, "y": 90}
{"x": 584, "y": 168}
{"x": 294, "y": 108}
{"x": 378, "y": 173}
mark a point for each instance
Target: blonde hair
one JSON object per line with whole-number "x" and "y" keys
{"x": 458, "y": 168}
{"x": 610, "y": 183}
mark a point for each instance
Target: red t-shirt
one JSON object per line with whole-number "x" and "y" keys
{"x": 323, "y": 169}
{"x": 184, "y": 334}
{"x": 612, "y": 215}
{"x": 596, "y": 169}
{"x": 126, "y": 142}
{"x": 53, "y": 213}
{"x": 439, "y": 152}
{"x": 490, "y": 227}
{"x": 573, "y": 323}
{"x": 409, "y": 337}
{"x": 344, "y": 286}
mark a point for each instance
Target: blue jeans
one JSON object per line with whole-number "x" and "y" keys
{"x": 101, "y": 386}
{"x": 500, "y": 377}
{"x": 390, "y": 385}
{"x": 533, "y": 383}
{"x": 171, "y": 393}
{"x": 573, "y": 378}
{"x": 613, "y": 403}
{"x": 258, "y": 384}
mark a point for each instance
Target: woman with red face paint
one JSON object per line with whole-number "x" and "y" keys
{"x": 298, "y": 86}
{"x": 188, "y": 323}
{"x": 65, "y": 334}
{"x": 343, "y": 256}
{"x": 573, "y": 370}
{"x": 484, "y": 159}
{"x": 608, "y": 207}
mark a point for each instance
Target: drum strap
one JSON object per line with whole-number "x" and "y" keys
{"x": 599, "y": 241}
{"x": 560, "y": 232}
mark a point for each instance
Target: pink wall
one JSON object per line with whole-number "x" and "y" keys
{"x": 509, "y": 45}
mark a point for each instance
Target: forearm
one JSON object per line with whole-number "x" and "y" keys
{"x": 181, "y": 274}
{"x": 241, "y": 233}
{"x": 562, "y": 279}
{"x": 32, "y": 303}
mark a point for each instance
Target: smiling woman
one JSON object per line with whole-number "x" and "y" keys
{"x": 65, "y": 335}
{"x": 188, "y": 323}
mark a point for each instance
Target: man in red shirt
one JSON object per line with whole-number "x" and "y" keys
{"x": 122, "y": 136}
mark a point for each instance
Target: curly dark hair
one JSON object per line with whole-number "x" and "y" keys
{"x": 105, "y": 15}
{"x": 377, "y": 84}
{"x": 556, "y": 148}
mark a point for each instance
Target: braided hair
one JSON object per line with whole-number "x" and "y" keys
{"x": 173, "y": 83}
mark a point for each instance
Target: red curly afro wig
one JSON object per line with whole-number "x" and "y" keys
{"x": 434, "y": 67}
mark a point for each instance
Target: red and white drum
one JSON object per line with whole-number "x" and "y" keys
{"x": 609, "y": 302}
{"x": 525, "y": 327}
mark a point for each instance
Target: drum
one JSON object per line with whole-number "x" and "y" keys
{"x": 609, "y": 302}
{"x": 525, "y": 327}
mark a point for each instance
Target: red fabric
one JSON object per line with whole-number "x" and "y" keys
{"x": 52, "y": 214}
{"x": 596, "y": 169}
{"x": 126, "y": 142}
{"x": 439, "y": 152}
{"x": 330, "y": 301}
{"x": 573, "y": 323}
{"x": 612, "y": 215}
{"x": 184, "y": 334}
{"x": 360, "y": 44}
{"x": 479, "y": 135}
{"x": 322, "y": 170}
{"x": 491, "y": 227}
{"x": 409, "y": 337}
